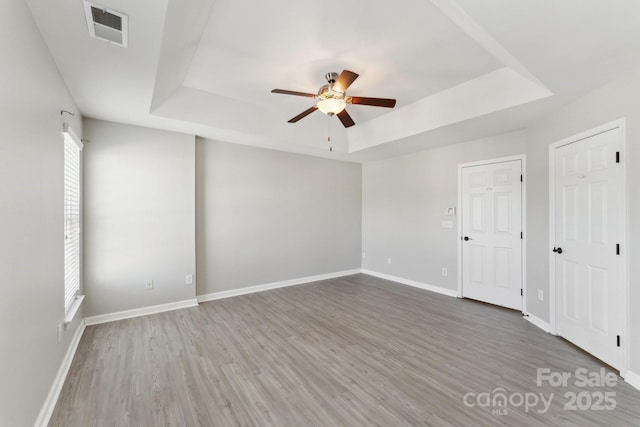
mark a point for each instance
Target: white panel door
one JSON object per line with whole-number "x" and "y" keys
{"x": 588, "y": 227}
{"x": 491, "y": 231}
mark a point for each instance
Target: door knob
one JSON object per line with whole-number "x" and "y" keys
{"x": 557, "y": 250}
{"x": 466, "y": 238}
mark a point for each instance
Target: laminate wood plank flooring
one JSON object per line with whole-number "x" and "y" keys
{"x": 353, "y": 351}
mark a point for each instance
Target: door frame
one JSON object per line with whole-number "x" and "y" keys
{"x": 620, "y": 124}
{"x": 523, "y": 214}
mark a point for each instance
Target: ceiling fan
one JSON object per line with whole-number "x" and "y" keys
{"x": 332, "y": 98}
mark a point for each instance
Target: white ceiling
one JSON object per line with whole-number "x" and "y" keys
{"x": 460, "y": 69}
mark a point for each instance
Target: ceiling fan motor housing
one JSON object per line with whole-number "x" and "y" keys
{"x": 328, "y": 91}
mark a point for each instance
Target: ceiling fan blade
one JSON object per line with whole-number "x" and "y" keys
{"x": 376, "y": 102}
{"x": 293, "y": 92}
{"x": 304, "y": 114}
{"x": 344, "y": 81}
{"x": 345, "y": 118}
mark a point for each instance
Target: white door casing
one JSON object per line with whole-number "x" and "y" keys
{"x": 491, "y": 232}
{"x": 588, "y": 227}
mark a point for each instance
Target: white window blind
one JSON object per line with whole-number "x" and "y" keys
{"x": 72, "y": 149}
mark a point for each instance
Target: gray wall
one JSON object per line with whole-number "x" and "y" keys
{"x": 613, "y": 101}
{"x": 404, "y": 201}
{"x": 32, "y": 93}
{"x": 265, "y": 216}
{"x": 139, "y": 216}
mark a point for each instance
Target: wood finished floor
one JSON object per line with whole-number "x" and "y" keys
{"x": 354, "y": 351}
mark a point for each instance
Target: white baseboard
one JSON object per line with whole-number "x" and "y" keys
{"x": 632, "y": 378}
{"x": 61, "y": 376}
{"x": 425, "y": 286}
{"x": 538, "y": 322}
{"x": 137, "y": 312}
{"x": 274, "y": 285}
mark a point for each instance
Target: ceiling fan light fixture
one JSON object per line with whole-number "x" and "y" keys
{"x": 331, "y": 106}
{"x": 332, "y": 98}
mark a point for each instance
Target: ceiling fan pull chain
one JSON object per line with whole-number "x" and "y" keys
{"x": 329, "y": 133}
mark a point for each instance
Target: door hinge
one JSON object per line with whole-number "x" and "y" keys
{"x": 617, "y": 248}
{"x": 521, "y": 292}
{"x": 617, "y": 157}
{"x": 521, "y": 235}
{"x": 521, "y": 178}
{"x": 618, "y": 340}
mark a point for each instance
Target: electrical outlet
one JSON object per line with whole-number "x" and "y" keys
{"x": 444, "y": 271}
{"x": 189, "y": 279}
{"x": 388, "y": 260}
{"x": 60, "y": 330}
{"x": 148, "y": 285}
{"x": 540, "y": 294}
{"x": 364, "y": 255}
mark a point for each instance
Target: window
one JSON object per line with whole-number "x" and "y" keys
{"x": 72, "y": 150}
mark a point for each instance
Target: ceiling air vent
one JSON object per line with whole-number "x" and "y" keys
{"x": 106, "y": 24}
